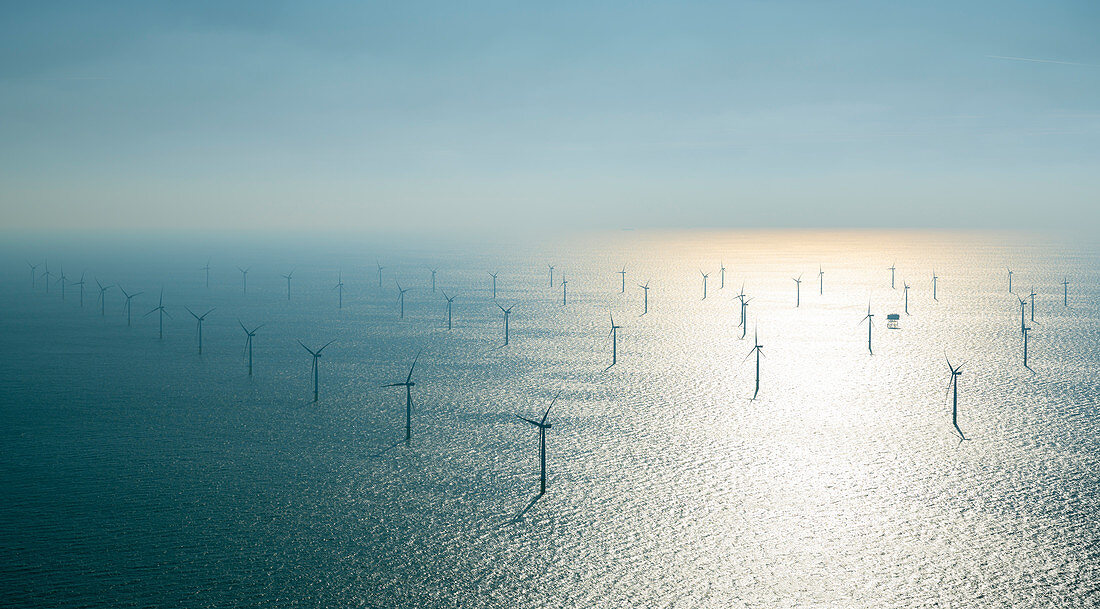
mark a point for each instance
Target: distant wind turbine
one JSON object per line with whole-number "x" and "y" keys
{"x": 287, "y": 277}
{"x": 722, "y": 275}
{"x": 543, "y": 427}
{"x": 745, "y": 316}
{"x": 507, "y": 313}
{"x": 450, "y": 301}
{"x": 433, "y": 278}
{"x": 892, "y": 269}
{"x": 34, "y": 273}
{"x": 645, "y": 302}
{"x": 81, "y": 284}
{"x": 129, "y": 297}
{"x": 614, "y": 334}
{"x": 207, "y": 269}
{"x": 758, "y": 350}
{"x": 494, "y": 276}
{"x": 102, "y": 297}
{"x": 1023, "y": 308}
{"x": 741, "y": 296}
{"x": 622, "y": 274}
{"x": 316, "y": 356}
{"x": 47, "y": 275}
{"x": 244, "y": 279}
{"x": 408, "y": 385}
{"x": 1010, "y": 281}
{"x": 380, "y": 267}
{"x": 162, "y": 312}
{"x": 339, "y": 287}
{"x": 61, "y": 278}
{"x": 820, "y": 281}
{"x": 248, "y": 346}
{"x": 401, "y": 296}
{"x": 1032, "y": 296}
{"x": 1065, "y": 292}
{"x": 953, "y": 383}
{"x": 906, "y": 286}
{"x": 551, "y": 267}
{"x": 797, "y": 291}
{"x": 934, "y": 278}
{"x": 704, "y": 284}
{"x": 1026, "y": 330}
{"x": 564, "y": 282}
{"x": 869, "y": 318}
{"x": 199, "y": 319}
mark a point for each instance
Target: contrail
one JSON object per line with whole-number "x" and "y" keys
{"x": 1064, "y": 63}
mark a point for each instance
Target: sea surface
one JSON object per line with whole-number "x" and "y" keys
{"x": 137, "y": 472}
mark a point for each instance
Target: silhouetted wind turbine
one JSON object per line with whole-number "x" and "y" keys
{"x": 551, "y": 267}
{"x": 704, "y": 283}
{"x": 433, "y": 278}
{"x": 287, "y": 277}
{"x": 244, "y": 279}
{"x": 722, "y": 275}
{"x": 543, "y": 426}
{"x": 507, "y": 313}
{"x": 741, "y": 296}
{"x": 1009, "y": 280}
{"x": 47, "y": 275}
{"x": 614, "y": 334}
{"x": 745, "y": 316}
{"x": 892, "y": 269}
{"x": 1023, "y": 307}
{"x": 1065, "y": 292}
{"x": 160, "y": 308}
{"x": 450, "y": 301}
{"x": 339, "y": 287}
{"x": 953, "y": 383}
{"x": 34, "y": 271}
{"x": 906, "y": 286}
{"x": 494, "y": 276}
{"x": 199, "y": 319}
{"x": 758, "y": 349}
{"x": 564, "y": 282}
{"x": 207, "y": 269}
{"x": 622, "y": 274}
{"x": 797, "y": 291}
{"x": 645, "y": 302}
{"x": 316, "y": 356}
{"x": 81, "y": 284}
{"x": 1032, "y": 296}
{"x": 248, "y": 345}
{"x": 934, "y": 278}
{"x": 102, "y": 297}
{"x": 408, "y": 385}
{"x": 62, "y": 279}
{"x": 401, "y": 296}
{"x": 869, "y": 318}
{"x": 380, "y": 267}
{"x": 820, "y": 281}
{"x": 129, "y": 297}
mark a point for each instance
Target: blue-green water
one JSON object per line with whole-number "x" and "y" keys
{"x": 137, "y": 472}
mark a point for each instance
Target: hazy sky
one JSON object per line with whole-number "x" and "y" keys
{"x": 459, "y": 114}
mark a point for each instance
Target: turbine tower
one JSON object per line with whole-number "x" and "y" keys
{"x": 450, "y": 301}
{"x": 543, "y": 427}
{"x": 507, "y": 313}
{"x": 953, "y": 384}
{"x": 129, "y": 297}
{"x": 408, "y": 385}
{"x": 199, "y": 319}
{"x": 797, "y": 291}
{"x": 622, "y": 274}
{"x": 704, "y": 283}
{"x": 645, "y": 302}
{"x": 869, "y": 318}
{"x": 758, "y": 350}
{"x": 244, "y": 279}
{"x": 287, "y": 277}
{"x": 339, "y": 287}
{"x": 401, "y": 296}
{"x": 316, "y": 356}
{"x": 248, "y": 343}
{"x": 162, "y": 312}
{"x": 892, "y": 269}
{"x": 614, "y": 334}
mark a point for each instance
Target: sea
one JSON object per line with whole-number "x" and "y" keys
{"x": 138, "y": 472}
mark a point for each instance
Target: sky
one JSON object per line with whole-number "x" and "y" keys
{"x": 453, "y": 116}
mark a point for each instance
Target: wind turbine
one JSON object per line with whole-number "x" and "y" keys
{"x": 745, "y": 316}
{"x": 934, "y": 278}
{"x": 287, "y": 277}
{"x": 199, "y": 319}
{"x": 953, "y": 383}
{"x": 47, "y": 275}
{"x": 507, "y": 313}
{"x": 564, "y": 282}
{"x": 207, "y": 269}
{"x": 614, "y": 334}
{"x": 646, "y": 300}
{"x": 450, "y": 301}
{"x": 380, "y": 267}
{"x": 892, "y": 269}
{"x": 1065, "y": 292}
{"x": 551, "y": 267}
{"x": 102, "y": 297}
{"x": 248, "y": 345}
{"x": 1023, "y": 307}
{"x": 81, "y": 284}
{"x": 1032, "y": 296}
{"x": 906, "y": 286}
{"x": 1009, "y": 280}
{"x": 162, "y": 311}
{"x": 704, "y": 283}
{"x": 797, "y": 291}
{"x": 34, "y": 271}
{"x": 722, "y": 272}
{"x": 62, "y": 279}
{"x": 741, "y": 296}
{"x": 433, "y": 278}
{"x": 244, "y": 279}
{"x": 759, "y": 350}
{"x": 316, "y": 356}
{"x": 820, "y": 281}
{"x": 1026, "y": 330}
{"x": 543, "y": 426}
{"x": 401, "y": 296}
{"x": 869, "y": 318}
{"x": 494, "y": 276}
{"x": 622, "y": 274}
{"x": 129, "y": 297}
{"x": 408, "y": 385}
{"x": 339, "y": 287}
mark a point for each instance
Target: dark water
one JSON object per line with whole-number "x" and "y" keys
{"x": 137, "y": 472}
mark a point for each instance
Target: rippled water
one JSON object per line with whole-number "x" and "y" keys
{"x": 137, "y": 472}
